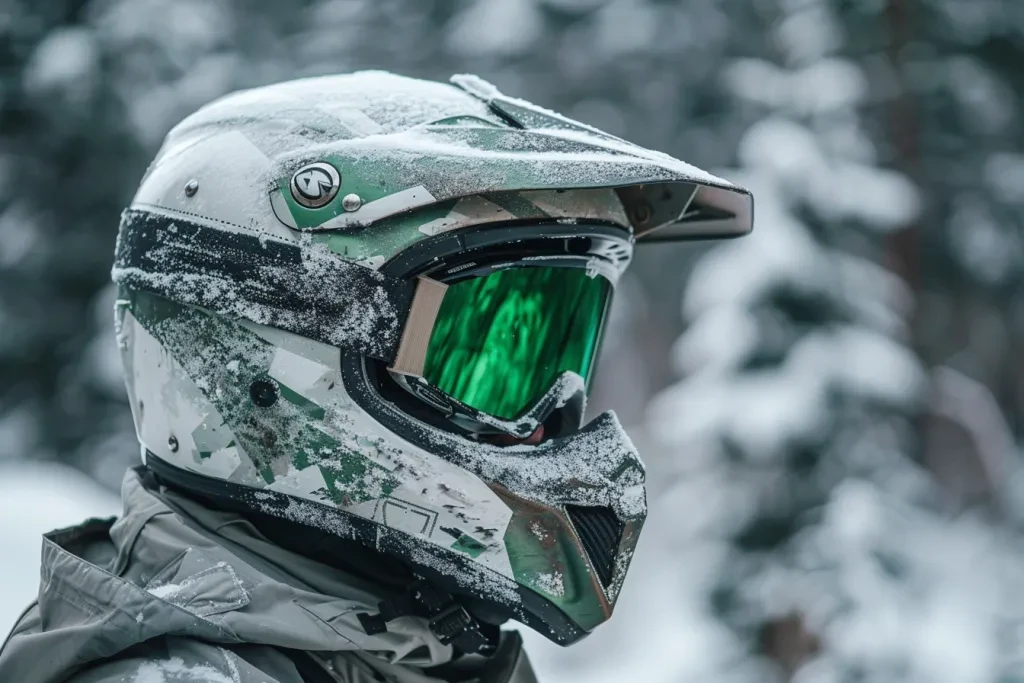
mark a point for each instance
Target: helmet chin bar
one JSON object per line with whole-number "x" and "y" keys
{"x": 593, "y": 469}
{"x": 567, "y": 396}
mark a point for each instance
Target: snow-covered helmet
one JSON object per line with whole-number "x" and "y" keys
{"x": 371, "y": 305}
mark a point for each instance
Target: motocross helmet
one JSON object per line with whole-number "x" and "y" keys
{"x": 372, "y": 305}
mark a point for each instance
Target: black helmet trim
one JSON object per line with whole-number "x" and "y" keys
{"x": 310, "y": 293}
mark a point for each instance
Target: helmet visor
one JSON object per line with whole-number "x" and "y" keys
{"x": 501, "y": 340}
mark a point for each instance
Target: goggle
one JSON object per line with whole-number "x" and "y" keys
{"x": 507, "y": 343}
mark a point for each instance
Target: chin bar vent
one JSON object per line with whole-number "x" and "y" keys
{"x": 599, "y": 531}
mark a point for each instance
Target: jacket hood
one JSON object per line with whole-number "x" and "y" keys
{"x": 171, "y": 567}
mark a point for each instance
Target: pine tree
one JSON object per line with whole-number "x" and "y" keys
{"x": 839, "y": 552}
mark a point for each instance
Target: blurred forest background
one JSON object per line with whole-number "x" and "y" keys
{"x": 831, "y": 410}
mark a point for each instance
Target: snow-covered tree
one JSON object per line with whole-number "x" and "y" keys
{"x": 838, "y": 552}
{"x": 843, "y": 506}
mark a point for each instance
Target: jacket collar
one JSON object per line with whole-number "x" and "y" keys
{"x": 182, "y": 569}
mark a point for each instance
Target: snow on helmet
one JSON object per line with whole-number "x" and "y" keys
{"x": 371, "y": 305}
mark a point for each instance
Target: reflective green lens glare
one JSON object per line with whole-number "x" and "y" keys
{"x": 501, "y": 340}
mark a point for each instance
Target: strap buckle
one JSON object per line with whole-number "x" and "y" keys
{"x": 453, "y": 625}
{"x": 449, "y": 621}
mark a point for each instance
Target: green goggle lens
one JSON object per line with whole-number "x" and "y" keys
{"x": 500, "y": 341}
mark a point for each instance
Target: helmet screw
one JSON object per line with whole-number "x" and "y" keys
{"x": 172, "y": 443}
{"x": 351, "y": 202}
{"x": 642, "y": 213}
{"x": 191, "y": 187}
{"x": 263, "y": 393}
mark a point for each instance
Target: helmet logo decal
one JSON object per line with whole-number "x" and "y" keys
{"x": 315, "y": 185}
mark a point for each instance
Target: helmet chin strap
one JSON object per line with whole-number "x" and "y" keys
{"x": 448, "y": 619}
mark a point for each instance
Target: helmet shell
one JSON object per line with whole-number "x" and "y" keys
{"x": 363, "y": 170}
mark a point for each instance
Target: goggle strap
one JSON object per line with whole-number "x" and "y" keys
{"x": 412, "y": 350}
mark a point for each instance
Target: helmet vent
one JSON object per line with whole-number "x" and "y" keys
{"x": 599, "y": 530}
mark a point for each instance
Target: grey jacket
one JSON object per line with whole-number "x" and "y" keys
{"x": 173, "y": 591}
